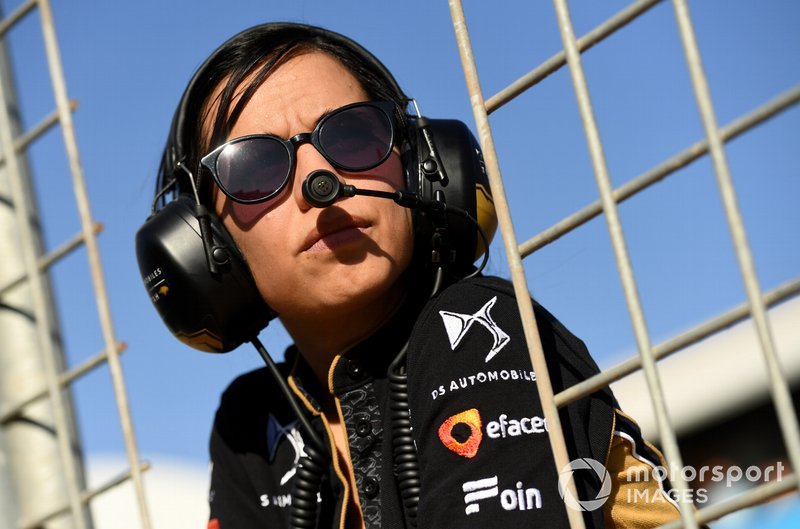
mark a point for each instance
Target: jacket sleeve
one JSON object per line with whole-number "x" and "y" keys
{"x": 233, "y": 501}
{"x": 484, "y": 452}
{"x": 641, "y": 495}
{"x": 243, "y": 487}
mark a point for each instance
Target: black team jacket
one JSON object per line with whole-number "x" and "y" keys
{"x": 483, "y": 452}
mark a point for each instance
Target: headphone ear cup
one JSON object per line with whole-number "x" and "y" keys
{"x": 212, "y": 312}
{"x": 467, "y": 189}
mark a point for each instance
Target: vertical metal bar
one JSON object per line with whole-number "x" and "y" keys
{"x": 101, "y": 296}
{"x": 667, "y": 434}
{"x": 787, "y": 417}
{"x": 543, "y": 384}
{"x": 42, "y": 315}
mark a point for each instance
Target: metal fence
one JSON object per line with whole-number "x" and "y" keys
{"x": 31, "y": 511}
{"x": 610, "y": 197}
{"x": 57, "y": 380}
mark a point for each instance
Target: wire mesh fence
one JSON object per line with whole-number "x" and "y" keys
{"x": 608, "y": 206}
{"x": 611, "y": 195}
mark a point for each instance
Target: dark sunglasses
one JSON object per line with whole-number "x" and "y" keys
{"x": 255, "y": 168}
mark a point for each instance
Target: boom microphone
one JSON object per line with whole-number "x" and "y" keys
{"x": 321, "y": 189}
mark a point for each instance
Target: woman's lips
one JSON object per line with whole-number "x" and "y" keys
{"x": 334, "y": 233}
{"x": 337, "y": 239}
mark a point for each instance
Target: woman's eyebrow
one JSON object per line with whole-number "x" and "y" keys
{"x": 267, "y": 131}
{"x": 325, "y": 113}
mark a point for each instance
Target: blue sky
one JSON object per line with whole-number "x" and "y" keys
{"x": 127, "y": 64}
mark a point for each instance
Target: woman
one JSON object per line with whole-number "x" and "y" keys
{"x": 412, "y": 400}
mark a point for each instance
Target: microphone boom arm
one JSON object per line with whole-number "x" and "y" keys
{"x": 322, "y": 189}
{"x": 403, "y": 198}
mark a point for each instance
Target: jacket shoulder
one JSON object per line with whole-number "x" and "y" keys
{"x": 496, "y": 297}
{"x": 246, "y": 406}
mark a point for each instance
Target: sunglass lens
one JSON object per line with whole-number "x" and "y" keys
{"x": 357, "y": 138}
{"x": 253, "y": 169}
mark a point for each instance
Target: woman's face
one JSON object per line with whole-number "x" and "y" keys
{"x": 307, "y": 261}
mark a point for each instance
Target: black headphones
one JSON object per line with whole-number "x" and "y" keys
{"x": 200, "y": 282}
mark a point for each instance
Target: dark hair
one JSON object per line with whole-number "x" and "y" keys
{"x": 255, "y": 53}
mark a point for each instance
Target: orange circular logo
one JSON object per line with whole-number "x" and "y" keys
{"x": 469, "y": 447}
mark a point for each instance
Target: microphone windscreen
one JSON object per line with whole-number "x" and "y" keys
{"x": 321, "y": 188}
